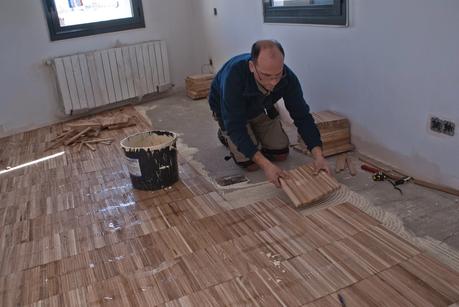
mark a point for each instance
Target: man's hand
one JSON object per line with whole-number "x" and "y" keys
{"x": 272, "y": 172}
{"x": 319, "y": 161}
{"x": 321, "y": 164}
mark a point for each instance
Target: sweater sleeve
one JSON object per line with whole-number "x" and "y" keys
{"x": 234, "y": 114}
{"x": 299, "y": 112}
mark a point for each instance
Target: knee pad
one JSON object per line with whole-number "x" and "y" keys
{"x": 280, "y": 157}
{"x": 276, "y": 154}
{"x": 247, "y": 165}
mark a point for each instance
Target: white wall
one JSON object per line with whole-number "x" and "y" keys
{"x": 396, "y": 64}
{"x": 28, "y": 96}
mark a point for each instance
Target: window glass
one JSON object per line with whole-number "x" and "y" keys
{"x": 75, "y": 12}
{"x": 301, "y": 2}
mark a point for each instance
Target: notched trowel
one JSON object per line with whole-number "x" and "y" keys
{"x": 231, "y": 179}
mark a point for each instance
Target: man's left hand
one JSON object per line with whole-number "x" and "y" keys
{"x": 320, "y": 164}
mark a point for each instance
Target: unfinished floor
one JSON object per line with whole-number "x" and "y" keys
{"x": 75, "y": 233}
{"x": 427, "y": 214}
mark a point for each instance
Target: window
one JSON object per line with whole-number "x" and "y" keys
{"x": 75, "y": 18}
{"x": 325, "y": 12}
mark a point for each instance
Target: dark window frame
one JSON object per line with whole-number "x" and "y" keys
{"x": 56, "y": 32}
{"x": 335, "y": 14}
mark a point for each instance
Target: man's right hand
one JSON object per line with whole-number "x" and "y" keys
{"x": 272, "y": 172}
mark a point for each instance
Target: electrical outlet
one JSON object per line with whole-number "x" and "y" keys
{"x": 448, "y": 127}
{"x": 436, "y": 124}
{"x": 442, "y": 126}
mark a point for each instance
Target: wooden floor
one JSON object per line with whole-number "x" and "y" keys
{"x": 73, "y": 232}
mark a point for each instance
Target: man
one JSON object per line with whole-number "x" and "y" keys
{"x": 242, "y": 98}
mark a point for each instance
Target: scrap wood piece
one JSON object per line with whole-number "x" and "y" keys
{"x": 74, "y": 138}
{"x": 303, "y": 187}
{"x": 100, "y": 124}
{"x": 122, "y": 124}
{"x": 99, "y": 140}
{"x": 386, "y": 170}
{"x": 62, "y": 135}
{"x": 437, "y": 187}
{"x": 60, "y": 139}
{"x": 83, "y": 125}
{"x": 95, "y": 132}
{"x": 340, "y": 162}
{"x": 396, "y": 174}
{"x": 350, "y": 166}
{"x": 113, "y": 121}
{"x": 119, "y": 126}
{"x": 80, "y": 145}
{"x": 89, "y": 146}
{"x": 89, "y": 131}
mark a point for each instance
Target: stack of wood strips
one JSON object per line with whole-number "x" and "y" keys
{"x": 198, "y": 86}
{"x": 335, "y": 132}
{"x": 88, "y": 133}
{"x": 303, "y": 187}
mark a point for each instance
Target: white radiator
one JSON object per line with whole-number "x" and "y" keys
{"x": 92, "y": 79}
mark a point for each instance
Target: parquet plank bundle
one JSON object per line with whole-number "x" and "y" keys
{"x": 304, "y": 187}
{"x": 335, "y": 133}
{"x": 198, "y": 86}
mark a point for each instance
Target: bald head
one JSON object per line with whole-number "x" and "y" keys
{"x": 267, "y": 48}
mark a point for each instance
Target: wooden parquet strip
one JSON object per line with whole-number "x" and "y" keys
{"x": 303, "y": 187}
{"x": 73, "y": 232}
{"x": 414, "y": 289}
{"x": 398, "y": 286}
{"x": 434, "y": 274}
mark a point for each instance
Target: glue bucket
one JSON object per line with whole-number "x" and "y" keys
{"x": 151, "y": 158}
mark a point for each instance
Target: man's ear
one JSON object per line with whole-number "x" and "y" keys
{"x": 251, "y": 66}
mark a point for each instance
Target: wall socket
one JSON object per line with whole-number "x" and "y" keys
{"x": 442, "y": 126}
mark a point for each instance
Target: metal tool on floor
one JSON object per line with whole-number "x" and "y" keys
{"x": 231, "y": 179}
{"x": 379, "y": 175}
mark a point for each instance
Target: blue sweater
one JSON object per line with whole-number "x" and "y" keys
{"x": 235, "y": 98}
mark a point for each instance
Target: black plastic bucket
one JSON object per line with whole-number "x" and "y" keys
{"x": 151, "y": 159}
